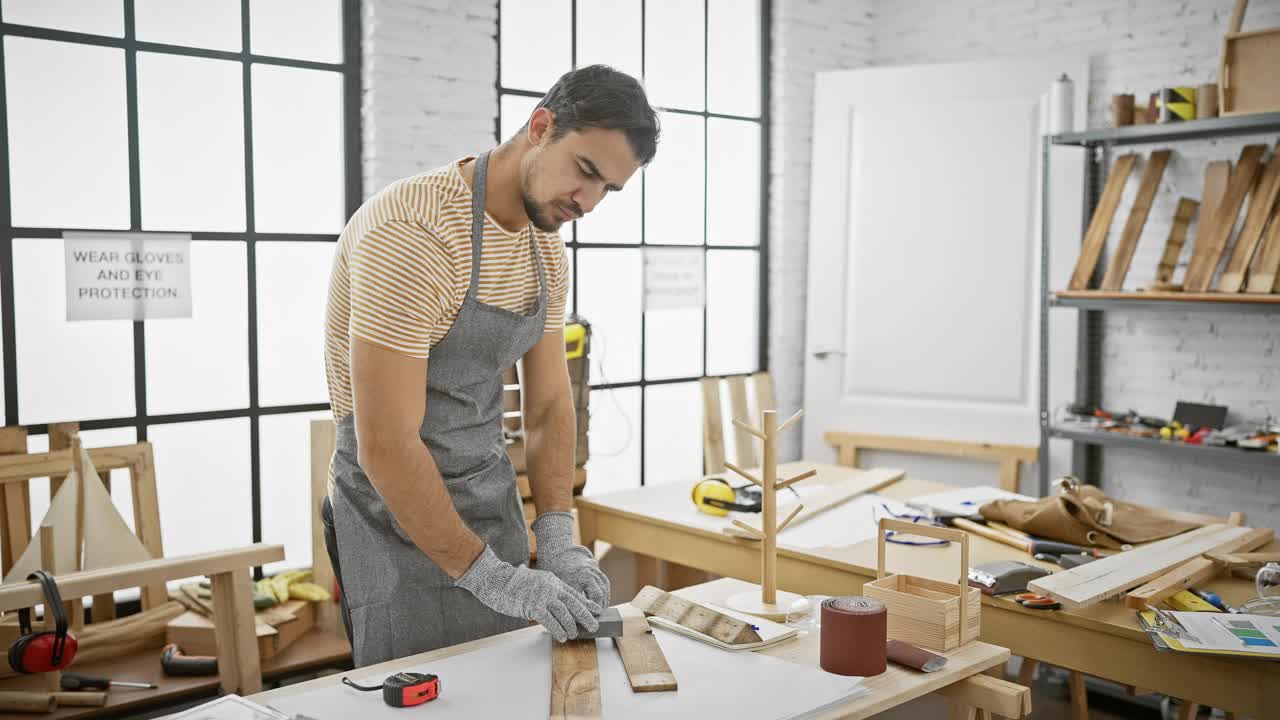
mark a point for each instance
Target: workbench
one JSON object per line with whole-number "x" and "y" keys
{"x": 1103, "y": 640}
{"x": 897, "y": 685}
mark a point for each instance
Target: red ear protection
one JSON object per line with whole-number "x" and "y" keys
{"x": 36, "y": 652}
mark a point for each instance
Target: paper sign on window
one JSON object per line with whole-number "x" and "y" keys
{"x": 127, "y": 276}
{"x": 674, "y": 278}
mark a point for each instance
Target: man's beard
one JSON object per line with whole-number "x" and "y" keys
{"x": 537, "y": 214}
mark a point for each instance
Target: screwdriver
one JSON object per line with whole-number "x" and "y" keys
{"x": 76, "y": 681}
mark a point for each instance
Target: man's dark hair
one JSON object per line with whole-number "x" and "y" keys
{"x": 599, "y": 96}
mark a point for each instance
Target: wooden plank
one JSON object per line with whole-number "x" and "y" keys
{"x": 925, "y": 446}
{"x": 1260, "y": 210}
{"x": 1216, "y": 176}
{"x": 744, "y": 447}
{"x": 867, "y": 481}
{"x": 575, "y": 680}
{"x": 1196, "y": 571}
{"x": 239, "y": 667}
{"x": 60, "y": 439}
{"x": 1100, "y": 224}
{"x": 712, "y": 427}
{"x": 1182, "y": 216}
{"x": 1128, "y": 243}
{"x": 15, "y": 508}
{"x": 322, "y": 446}
{"x": 994, "y": 695}
{"x": 1223, "y": 222}
{"x": 765, "y": 398}
{"x": 646, "y": 666}
{"x": 1090, "y": 583}
{"x": 146, "y": 515}
{"x": 728, "y": 630}
{"x": 1266, "y": 268}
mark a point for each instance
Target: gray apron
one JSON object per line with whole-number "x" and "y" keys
{"x": 399, "y": 601}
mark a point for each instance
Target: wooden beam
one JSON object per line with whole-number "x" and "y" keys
{"x": 712, "y": 427}
{"x": 1200, "y": 276}
{"x": 575, "y": 680}
{"x": 979, "y": 451}
{"x": 17, "y": 468}
{"x": 94, "y": 582}
{"x": 239, "y": 666}
{"x": 1194, "y": 572}
{"x": 1122, "y": 257}
{"x": 1100, "y": 223}
{"x": 646, "y": 665}
{"x": 1177, "y": 238}
{"x": 1266, "y": 268}
{"x": 15, "y": 504}
{"x": 744, "y": 449}
{"x": 1255, "y": 222}
{"x": 994, "y": 695}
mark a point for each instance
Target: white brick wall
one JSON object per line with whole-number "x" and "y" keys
{"x": 1150, "y": 359}
{"x": 808, "y": 36}
{"x": 429, "y": 95}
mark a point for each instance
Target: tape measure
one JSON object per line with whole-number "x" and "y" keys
{"x": 404, "y": 689}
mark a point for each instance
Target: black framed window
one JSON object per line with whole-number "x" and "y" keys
{"x": 705, "y": 66}
{"x": 237, "y": 121}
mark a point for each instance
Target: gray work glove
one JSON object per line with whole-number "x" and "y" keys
{"x": 531, "y": 594}
{"x": 571, "y": 562}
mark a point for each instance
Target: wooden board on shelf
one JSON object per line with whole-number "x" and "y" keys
{"x": 1183, "y": 297}
{"x": 1100, "y": 224}
{"x": 1177, "y": 237}
{"x": 1262, "y": 278}
{"x": 1200, "y": 274}
{"x": 1110, "y": 576}
{"x": 1216, "y": 176}
{"x": 1260, "y": 210}
{"x": 1128, "y": 243}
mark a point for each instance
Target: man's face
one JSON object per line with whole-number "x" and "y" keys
{"x": 564, "y": 179}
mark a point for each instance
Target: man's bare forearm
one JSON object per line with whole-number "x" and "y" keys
{"x": 406, "y": 476}
{"x": 551, "y": 441}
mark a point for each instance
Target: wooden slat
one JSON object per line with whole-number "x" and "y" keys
{"x": 1100, "y": 224}
{"x": 15, "y": 506}
{"x": 239, "y": 666}
{"x": 712, "y": 427}
{"x": 146, "y": 517}
{"x": 1266, "y": 268}
{"x": 1216, "y": 176}
{"x": 765, "y": 398}
{"x": 1087, "y": 584}
{"x": 979, "y": 451}
{"x": 646, "y": 665}
{"x": 575, "y": 680}
{"x": 699, "y": 618}
{"x": 1195, "y": 571}
{"x": 1128, "y": 243}
{"x": 60, "y": 439}
{"x": 1260, "y": 207}
{"x": 1177, "y": 237}
{"x": 744, "y": 447}
{"x": 1200, "y": 275}
{"x": 19, "y": 468}
{"x": 94, "y": 582}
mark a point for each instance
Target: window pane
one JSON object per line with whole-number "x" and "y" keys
{"x": 285, "y": 484}
{"x": 672, "y": 343}
{"x": 203, "y": 480}
{"x": 733, "y": 57}
{"x": 121, "y": 490}
{"x": 197, "y": 23}
{"x": 534, "y": 51}
{"x": 202, "y": 363}
{"x": 96, "y": 17}
{"x": 673, "y": 183}
{"x": 66, "y": 371}
{"x": 614, "y": 433}
{"x": 609, "y": 294}
{"x": 191, "y": 143}
{"x": 733, "y": 318}
{"x": 297, "y": 150}
{"x": 733, "y": 182}
{"x": 672, "y": 433}
{"x": 68, "y": 150}
{"x": 609, "y": 34}
{"x": 673, "y": 62}
{"x": 293, "y": 284}
{"x": 303, "y": 29}
{"x": 617, "y": 218}
{"x": 516, "y": 109}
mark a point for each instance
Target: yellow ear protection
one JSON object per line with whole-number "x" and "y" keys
{"x": 714, "y": 496}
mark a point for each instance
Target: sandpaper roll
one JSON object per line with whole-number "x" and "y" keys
{"x": 911, "y": 656}
{"x": 853, "y": 636}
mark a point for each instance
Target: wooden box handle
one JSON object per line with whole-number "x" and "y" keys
{"x": 933, "y": 531}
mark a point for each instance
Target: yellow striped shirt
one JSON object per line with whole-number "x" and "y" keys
{"x": 403, "y": 266}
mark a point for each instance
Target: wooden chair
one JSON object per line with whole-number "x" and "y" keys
{"x": 713, "y": 425}
{"x": 1009, "y": 457}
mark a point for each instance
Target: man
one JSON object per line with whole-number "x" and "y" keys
{"x": 441, "y": 282}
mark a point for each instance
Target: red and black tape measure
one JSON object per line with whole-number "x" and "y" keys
{"x": 404, "y": 689}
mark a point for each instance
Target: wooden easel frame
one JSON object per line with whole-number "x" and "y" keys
{"x": 18, "y": 468}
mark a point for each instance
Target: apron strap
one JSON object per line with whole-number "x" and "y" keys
{"x": 477, "y": 219}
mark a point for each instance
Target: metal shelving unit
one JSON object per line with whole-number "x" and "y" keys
{"x": 1091, "y": 304}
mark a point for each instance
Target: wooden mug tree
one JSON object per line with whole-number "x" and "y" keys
{"x": 769, "y": 602}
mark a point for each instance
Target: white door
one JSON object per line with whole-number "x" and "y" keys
{"x": 923, "y": 316}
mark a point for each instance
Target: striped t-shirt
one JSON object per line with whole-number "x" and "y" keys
{"x": 403, "y": 266}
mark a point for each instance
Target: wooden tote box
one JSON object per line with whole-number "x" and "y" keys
{"x": 921, "y": 611}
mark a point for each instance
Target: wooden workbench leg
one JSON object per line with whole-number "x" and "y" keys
{"x": 1079, "y": 697}
{"x": 1009, "y": 474}
{"x": 959, "y": 711}
{"x": 233, "y": 619}
{"x": 1027, "y": 673}
{"x": 587, "y": 528}
{"x": 1188, "y": 710}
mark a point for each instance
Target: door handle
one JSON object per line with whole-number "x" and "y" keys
{"x": 827, "y": 352}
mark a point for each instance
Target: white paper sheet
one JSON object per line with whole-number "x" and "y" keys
{"x": 512, "y": 680}
{"x": 846, "y": 524}
{"x": 965, "y": 501}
